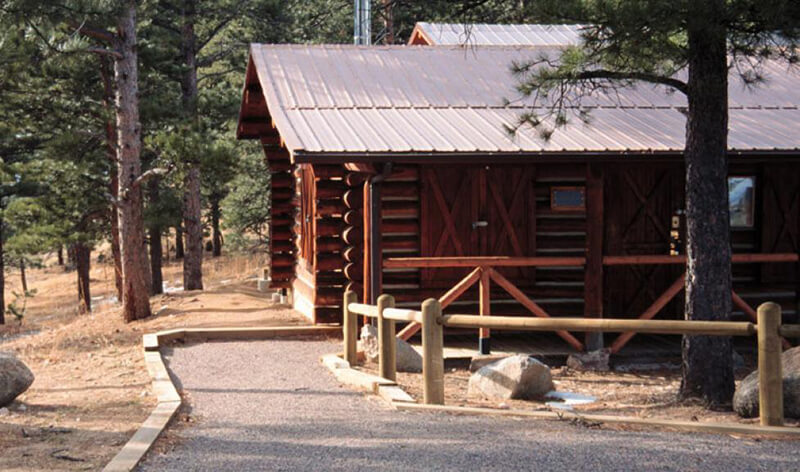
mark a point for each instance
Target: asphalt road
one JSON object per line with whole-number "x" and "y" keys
{"x": 271, "y": 406}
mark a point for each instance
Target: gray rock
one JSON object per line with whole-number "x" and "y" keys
{"x": 520, "y": 377}
{"x": 15, "y": 378}
{"x": 596, "y": 361}
{"x": 745, "y": 400}
{"x": 481, "y": 360}
{"x": 408, "y": 359}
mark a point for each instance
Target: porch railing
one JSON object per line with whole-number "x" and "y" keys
{"x": 484, "y": 274}
{"x": 768, "y": 330}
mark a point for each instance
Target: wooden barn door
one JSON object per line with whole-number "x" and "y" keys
{"x": 447, "y": 215}
{"x": 639, "y": 203}
{"x": 476, "y": 211}
{"x": 509, "y": 208}
{"x": 780, "y": 221}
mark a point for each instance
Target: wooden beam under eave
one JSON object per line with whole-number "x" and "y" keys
{"x": 253, "y": 128}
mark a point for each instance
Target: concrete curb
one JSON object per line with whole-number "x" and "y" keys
{"x": 168, "y": 399}
{"x": 387, "y": 389}
{"x": 688, "y": 426}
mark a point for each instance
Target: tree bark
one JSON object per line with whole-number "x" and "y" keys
{"x": 135, "y": 265}
{"x": 156, "y": 252}
{"x": 178, "y": 242}
{"x": 193, "y": 256}
{"x": 22, "y": 276}
{"x": 2, "y": 276}
{"x": 216, "y": 233}
{"x": 83, "y": 264}
{"x": 60, "y": 255}
{"x": 113, "y": 183}
{"x": 388, "y": 21}
{"x": 156, "y": 259}
{"x": 707, "y": 365}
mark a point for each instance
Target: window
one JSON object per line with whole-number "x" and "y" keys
{"x": 741, "y": 201}
{"x": 567, "y": 198}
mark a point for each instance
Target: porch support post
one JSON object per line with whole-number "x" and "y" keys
{"x": 373, "y": 251}
{"x": 593, "y": 274}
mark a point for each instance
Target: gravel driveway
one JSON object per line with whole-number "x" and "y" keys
{"x": 271, "y": 406}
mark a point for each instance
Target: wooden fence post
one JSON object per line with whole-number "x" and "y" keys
{"x": 770, "y": 370}
{"x": 432, "y": 352}
{"x": 350, "y": 328}
{"x": 485, "y": 309}
{"x": 387, "y": 358}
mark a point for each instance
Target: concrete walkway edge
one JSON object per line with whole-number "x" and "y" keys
{"x": 168, "y": 399}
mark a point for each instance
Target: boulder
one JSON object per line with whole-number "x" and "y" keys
{"x": 519, "y": 377}
{"x": 15, "y": 378}
{"x": 481, "y": 360}
{"x": 596, "y": 361}
{"x": 745, "y": 400}
{"x": 408, "y": 359}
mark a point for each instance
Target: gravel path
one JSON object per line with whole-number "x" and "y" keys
{"x": 271, "y": 406}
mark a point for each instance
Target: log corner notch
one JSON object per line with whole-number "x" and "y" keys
{"x": 593, "y": 271}
{"x": 281, "y": 240}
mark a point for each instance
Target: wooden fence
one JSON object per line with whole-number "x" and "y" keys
{"x": 768, "y": 330}
{"x": 484, "y": 273}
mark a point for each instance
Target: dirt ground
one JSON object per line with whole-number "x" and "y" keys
{"x": 642, "y": 394}
{"x": 92, "y": 390}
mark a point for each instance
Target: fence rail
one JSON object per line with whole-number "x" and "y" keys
{"x": 484, "y": 274}
{"x": 768, "y": 330}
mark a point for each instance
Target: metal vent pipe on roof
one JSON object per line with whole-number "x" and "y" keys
{"x": 362, "y": 33}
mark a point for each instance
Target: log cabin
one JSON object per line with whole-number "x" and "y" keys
{"x": 392, "y": 171}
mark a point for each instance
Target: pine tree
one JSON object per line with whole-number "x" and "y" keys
{"x": 651, "y": 41}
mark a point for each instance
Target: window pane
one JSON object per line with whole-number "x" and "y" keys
{"x": 741, "y": 201}
{"x": 567, "y": 198}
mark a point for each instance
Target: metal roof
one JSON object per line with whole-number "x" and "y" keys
{"x": 478, "y": 34}
{"x": 350, "y": 100}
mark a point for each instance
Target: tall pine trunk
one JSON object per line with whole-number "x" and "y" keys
{"x": 135, "y": 265}
{"x": 60, "y": 255}
{"x": 22, "y": 276}
{"x": 707, "y": 361}
{"x": 2, "y": 275}
{"x": 192, "y": 222}
{"x": 156, "y": 253}
{"x": 156, "y": 256}
{"x": 178, "y": 242}
{"x": 216, "y": 233}
{"x": 113, "y": 184}
{"x": 83, "y": 265}
{"x": 193, "y": 255}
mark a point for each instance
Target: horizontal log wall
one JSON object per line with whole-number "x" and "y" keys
{"x": 329, "y": 226}
{"x": 282, "y": 247}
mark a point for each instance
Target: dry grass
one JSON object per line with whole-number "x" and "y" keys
{"x": 92, "y": 389}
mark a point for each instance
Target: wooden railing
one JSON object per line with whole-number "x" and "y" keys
{"x": 484, "y": 273}
{"x": 768, "y": 330}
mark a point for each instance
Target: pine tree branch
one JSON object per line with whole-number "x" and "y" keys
{"x": 105, "y": 52}
{"x": 99, "y": 34}
{"x": 600, "y": 74}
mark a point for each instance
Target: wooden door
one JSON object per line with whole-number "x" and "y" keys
{"x": 509, "y": 207}
{"x": 639, "y": 203}
{"x": 448, "y": 209}
{"x": 780, "y": 221}
{"x": 476, "y": 211}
